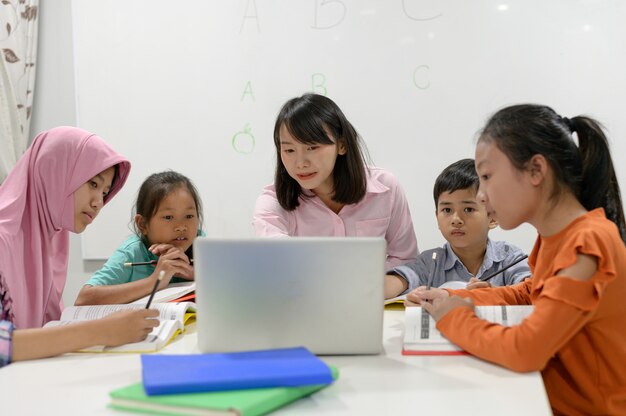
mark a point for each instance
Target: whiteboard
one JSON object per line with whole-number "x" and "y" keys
{"x": 195, "y": 86}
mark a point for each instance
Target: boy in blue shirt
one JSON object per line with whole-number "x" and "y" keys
{"x": 468, "y": 254}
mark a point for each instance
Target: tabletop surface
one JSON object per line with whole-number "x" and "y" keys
{"x": 367, "y": 385}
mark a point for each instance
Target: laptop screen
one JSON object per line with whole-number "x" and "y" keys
{"x": 324, "y": 293}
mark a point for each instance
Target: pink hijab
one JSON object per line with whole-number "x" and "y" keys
{"x": 37, "y": 211}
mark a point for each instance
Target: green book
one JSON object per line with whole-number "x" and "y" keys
{"x": 249, "y": 402}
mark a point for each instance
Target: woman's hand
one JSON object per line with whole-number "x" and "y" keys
{"x": 126, "y": 326}
{"x": 420, "y": 295}
{"x": 441, "y": 306}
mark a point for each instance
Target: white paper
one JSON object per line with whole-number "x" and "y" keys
{"x": 421, "y": 334}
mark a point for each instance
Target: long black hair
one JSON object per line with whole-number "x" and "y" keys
{"x": 309, "y": 119}
{"x": 522, "y": 131}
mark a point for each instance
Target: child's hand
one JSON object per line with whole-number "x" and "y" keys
{"x": 127, "y": 326}
{"x": 422, "y": 295}
{"x": 475, "y": 283}
{"x": 173, "y": 262}
{"x": 441, "y": 306}
{"x": 158, "y": 249}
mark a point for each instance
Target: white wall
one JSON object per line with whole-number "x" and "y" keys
{"x": 167, "y": 88}
{"x": 55, "y": 105}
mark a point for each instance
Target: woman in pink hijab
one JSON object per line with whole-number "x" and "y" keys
{"x": 59, "y": 185}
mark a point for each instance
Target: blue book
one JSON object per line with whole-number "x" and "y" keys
{"x": 287, "y": 367}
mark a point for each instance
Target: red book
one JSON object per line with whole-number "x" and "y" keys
{"x": 190, "y": 297}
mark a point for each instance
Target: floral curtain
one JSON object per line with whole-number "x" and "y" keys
{"x": 18, "y": 46}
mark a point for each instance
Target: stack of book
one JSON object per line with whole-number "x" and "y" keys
{"x": 239, "y": 383}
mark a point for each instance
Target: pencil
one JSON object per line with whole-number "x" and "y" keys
{"x": 154, "y": 289}
{"x": 432, "y": 272}
{"x": 144, "y": 263}
{"x": 484, "y": 279}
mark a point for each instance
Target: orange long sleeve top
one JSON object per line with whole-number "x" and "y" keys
{"x": 576, "y": 335}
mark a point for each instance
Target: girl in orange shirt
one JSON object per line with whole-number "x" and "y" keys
{"x": 531, "y": 170}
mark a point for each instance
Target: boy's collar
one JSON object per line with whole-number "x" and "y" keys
{"x": 491, "y": 256}
{"x": 451, "y": 257}
{"x": 495, "y": 255}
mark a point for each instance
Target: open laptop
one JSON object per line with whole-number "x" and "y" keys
{"x": 324, "y": 293}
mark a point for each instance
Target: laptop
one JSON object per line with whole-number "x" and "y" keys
{"x": 324, "y": 293}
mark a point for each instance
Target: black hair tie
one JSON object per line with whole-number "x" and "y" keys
{"x": 570, "y": 124}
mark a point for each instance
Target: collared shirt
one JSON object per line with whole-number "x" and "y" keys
{"x": 133, "y": 250}
{"x": 383, "y": 212}
{"x": 449, "y": 267}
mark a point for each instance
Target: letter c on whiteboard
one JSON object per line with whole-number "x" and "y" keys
{"x": 419, "y": 77}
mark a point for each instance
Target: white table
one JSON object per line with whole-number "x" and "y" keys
{"x": 78, "y": 384}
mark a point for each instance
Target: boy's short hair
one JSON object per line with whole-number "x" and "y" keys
{"x": 459, "y": 175}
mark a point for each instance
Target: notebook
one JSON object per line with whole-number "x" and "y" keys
{"x": 192, "y": 373}
{"x": 324, "y": 293}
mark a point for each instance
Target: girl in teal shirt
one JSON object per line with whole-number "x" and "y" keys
{"x": 167, "y": 220}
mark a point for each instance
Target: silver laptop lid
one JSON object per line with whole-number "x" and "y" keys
{"x": 325, "y": 293}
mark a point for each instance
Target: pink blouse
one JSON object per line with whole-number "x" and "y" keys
{"x": 383, "y": 212}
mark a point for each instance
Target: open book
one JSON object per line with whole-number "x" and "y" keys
{"x": 172, "y": 292}
{"x": 421, "y": 337}
{"x": 173, "y": 317}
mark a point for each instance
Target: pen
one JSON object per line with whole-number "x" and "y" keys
{"x": 484, "y": 279}
{"x": 154, "y": 289}
{"x": 432, "y": 271}
{"x": 144, "y": 263}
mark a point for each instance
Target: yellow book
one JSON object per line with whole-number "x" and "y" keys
{"x": 395, "y": 303}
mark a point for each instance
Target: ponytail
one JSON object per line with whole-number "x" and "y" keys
{"x": 522, "y": 131}
{"x": 599, "y": 186}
